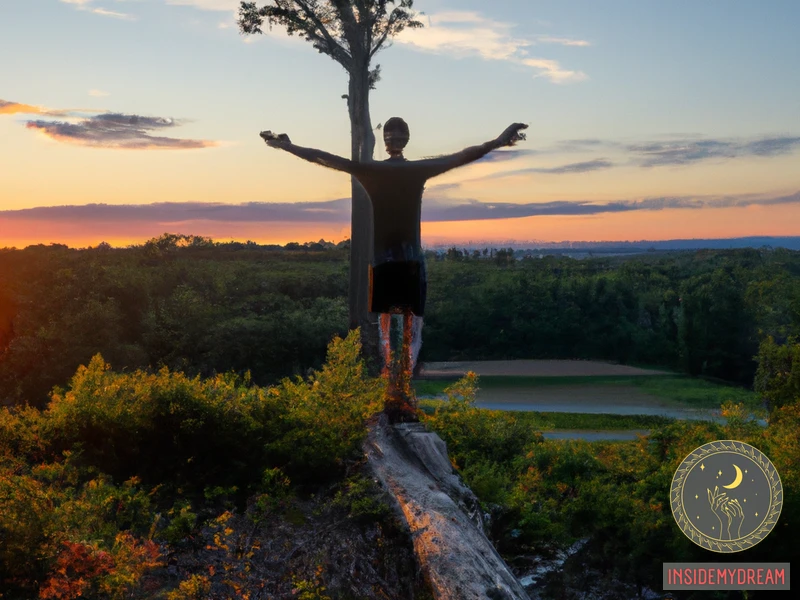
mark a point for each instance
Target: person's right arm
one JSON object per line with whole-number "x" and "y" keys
{"x": 319, "y": 157}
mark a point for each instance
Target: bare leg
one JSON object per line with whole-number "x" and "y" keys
{"x": 400, "y": 403}
{"x": 406, "y": 366}
{"x": 386, "y": 348}
{"x": 416, "y": 340}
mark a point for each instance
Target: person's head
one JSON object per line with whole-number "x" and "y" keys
{"x": 395, "y": 135}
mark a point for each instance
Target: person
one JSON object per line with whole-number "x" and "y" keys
{"x": 398, "y": 282}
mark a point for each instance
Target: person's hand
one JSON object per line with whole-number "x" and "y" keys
{"x": 275, "y": 140}
{"x": 512, "y": 135}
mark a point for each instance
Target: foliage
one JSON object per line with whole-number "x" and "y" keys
{"x": 615, "y": 495}
{"x": 73, "y": 532}
{"x": 778, "y": 376}
{"x": 362, "y": 500}
{"x": 173, "y": 441}
{"x": 206, "y": 308}
{"x": 197, "y": 587}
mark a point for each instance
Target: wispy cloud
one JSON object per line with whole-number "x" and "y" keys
{"x": 118, "y": 131}
{"x": 98, "y": 93}
{"x": 588, "y": 166}
{"x": 546, "y": 39}
{"x": 219, "y": 5}
{"x": 87, "y": 5}
{"x": 577, "y": 167}
{"x": 466, "y": 33}
{"x": 337, "y": 212}
{"x": 674, "y": 152}
{"x": 105, "y": 130}
{"x": 10, "y": 108}
{"x": 684, "y": 152}
{"x": 505, "y": 155}
{"x": 469, "y": 210}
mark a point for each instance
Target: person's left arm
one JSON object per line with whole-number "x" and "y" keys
{"x": 443, "y": 164}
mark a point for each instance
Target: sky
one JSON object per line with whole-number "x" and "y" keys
{"x": 121, "y": 120}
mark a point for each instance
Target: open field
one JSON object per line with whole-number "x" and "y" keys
{"x": 596, "y": 404}
{"x": 532, "y": 368}
{"x": 626, "y": 393}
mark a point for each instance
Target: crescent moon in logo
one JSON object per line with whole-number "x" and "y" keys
{"x": 736, "y": 481}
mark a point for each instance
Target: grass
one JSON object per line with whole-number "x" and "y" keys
{"x": 688, "y": 391}
{"x": 542, "y": 421}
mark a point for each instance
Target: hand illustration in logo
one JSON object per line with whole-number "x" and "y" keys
{"x": 733, "y": 510}
{"x": 728, "y": 511}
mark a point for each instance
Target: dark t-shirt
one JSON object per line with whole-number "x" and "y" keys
{"x": 395, "y": 187}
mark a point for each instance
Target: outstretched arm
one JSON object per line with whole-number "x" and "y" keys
{"x": 319, "y": 157}
{"x": 437, "y": 166}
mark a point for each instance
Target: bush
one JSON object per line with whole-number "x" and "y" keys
{"x": 197, "y": 434}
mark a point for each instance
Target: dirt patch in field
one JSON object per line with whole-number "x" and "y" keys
{"x": 532, "y": 368}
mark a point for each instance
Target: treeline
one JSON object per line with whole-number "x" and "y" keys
{"x": 702, "y": 313}
{"x": 188, "y": 303}
{"x": 177, "y": 301}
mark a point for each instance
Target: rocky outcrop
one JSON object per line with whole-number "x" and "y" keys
{"x": 442, "y": 514}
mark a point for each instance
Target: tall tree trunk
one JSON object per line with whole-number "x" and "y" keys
{"x": 361, "y": 240}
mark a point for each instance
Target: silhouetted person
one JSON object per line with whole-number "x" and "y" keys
{"x": 395, "y": 186}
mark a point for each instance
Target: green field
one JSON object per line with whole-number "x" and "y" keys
{"x": 542, "y": 421}
{"x": 689, "y": 391}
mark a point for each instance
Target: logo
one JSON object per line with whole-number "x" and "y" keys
{"x": 726, "y": 496}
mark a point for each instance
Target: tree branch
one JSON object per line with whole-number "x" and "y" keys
{"x": 338, "y": 53}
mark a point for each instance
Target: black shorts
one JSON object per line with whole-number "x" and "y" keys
{"x": 398, "y": 285}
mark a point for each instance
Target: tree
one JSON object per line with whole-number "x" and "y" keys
{"x": 777, "y": 379}
{"x": 351, "y": 32}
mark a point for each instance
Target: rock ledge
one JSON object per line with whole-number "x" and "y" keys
{"x": 442, "y": 514}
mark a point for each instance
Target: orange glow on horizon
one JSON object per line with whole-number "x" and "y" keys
{"x": 709, "y": 223}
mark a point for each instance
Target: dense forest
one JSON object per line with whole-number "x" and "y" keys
{"x": 201, "y": 307}
{"x": 154, "y": 447}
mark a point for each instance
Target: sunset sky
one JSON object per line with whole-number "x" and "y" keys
{"x": 124, "y": 119}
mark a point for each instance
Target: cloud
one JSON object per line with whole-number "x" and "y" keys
{"x": 337, "y": 212}
{"x": 551, "y": 69}
{"x": 219, "y": 5}
{"x": 98, "y": 93}
{"x": 86, "y": 5}
{"x": 114, "y": 14}
{"x": 466, "y": 33}
{"x": 546, "y": 39}
{"x": 504, "y": 155}
{"x": 10, "y": 108}
{"x": 570, "y": 168}
{"x": 115, "y": 130}
{"x": 684, "y": 152}
{"x": 469, "y": 210}
{"x": 578, "y": 167}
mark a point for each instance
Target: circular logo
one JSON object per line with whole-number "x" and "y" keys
{"x": 726, "y": 496}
